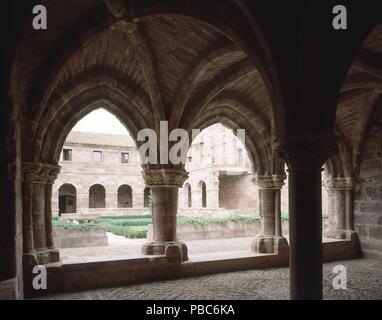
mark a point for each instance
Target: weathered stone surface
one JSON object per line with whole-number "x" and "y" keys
{"x": 65, "y": 238}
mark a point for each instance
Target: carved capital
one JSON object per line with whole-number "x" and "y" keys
{"x": 269, "y": 182}
{"x": 53, "y": 172}
{"x": 165, "y": 177}
{"x": 307, "y": 152}
{"x": 341, "y": 183}
{"x": 35, "y": 172}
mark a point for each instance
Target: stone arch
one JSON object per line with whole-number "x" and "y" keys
{"x": 131, "y": 107}
{"x": 125, "y": 196}
{"x": 223, "y": 16}
{"x": 254, "y": 142}
{"x": 97, "y": 196}
{"x": 67, "y": 198}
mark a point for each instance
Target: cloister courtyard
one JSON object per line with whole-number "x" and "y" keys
{"x": 245, "y": 161}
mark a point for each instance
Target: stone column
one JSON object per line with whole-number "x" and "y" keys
{"x": 340, "y": 215}
{"x": 29, "y": 254}
{"x": 52, "y": 176}
{"x": 270, "y": 239}
{"x": 305, "y": 156}
{"x": 165, "y": 184}
{"x": 37, "y": 218}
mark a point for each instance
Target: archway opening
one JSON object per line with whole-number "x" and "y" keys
{"x": 203, "y": 191}
{"x": 97, "y": 197}
{"x": 67, "y": 199}
{"x": 100, "y": 158}
{"x": 125, "y": 197}
{"x": 219, "y": 191}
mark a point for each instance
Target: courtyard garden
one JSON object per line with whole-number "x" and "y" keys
{"x": 137, "y": 226}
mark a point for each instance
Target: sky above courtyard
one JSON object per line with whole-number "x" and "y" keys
{"x": 100, "y": 121}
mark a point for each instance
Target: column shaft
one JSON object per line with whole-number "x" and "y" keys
{"x": 39, "y": 216}
{"x": 48, "y": 216}
{"x": 270, "y": 239}
{"x": 305, "y": 155}
{"x": 28, "y": 243}
{"x": 165, "y": 184}
{"x": 278, "y": 222}
{"x": 164, "y": 209}
{"x": 305, "y": 234}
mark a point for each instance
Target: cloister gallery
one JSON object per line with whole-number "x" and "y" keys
{"x": 307, "y": 95}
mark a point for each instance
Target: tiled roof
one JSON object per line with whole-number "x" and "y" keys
{"x": 100, "y": 139}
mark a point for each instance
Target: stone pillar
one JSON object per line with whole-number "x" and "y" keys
{"x": 341, "y": 222}
{"x": 270, "y": 239}
{"x": 305, "y": 157}
{"x": 53, "y": 173}
{"x": 165, "y": 184}
{"x": 29, "y": 255}
{"x": 37, "y": 218}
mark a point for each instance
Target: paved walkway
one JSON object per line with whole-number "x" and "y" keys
{"x": 364, "y": 282}
{"x": 120, "y": 247}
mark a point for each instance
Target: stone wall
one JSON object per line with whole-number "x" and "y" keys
{"x": 221, "y": 230}
{"x": 83, "y": 173}
{"x": 65, "y": 238}
{"x": 368, "y": 197}
{"x": 238, "y": 193}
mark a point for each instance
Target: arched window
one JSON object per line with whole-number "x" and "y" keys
{"x": 187, "y": 195}
{"x": 67, "y": 199}
{"x": 125, "y": 196}
{"x": 97, "y": 196}
{"x": 203, "y": 190}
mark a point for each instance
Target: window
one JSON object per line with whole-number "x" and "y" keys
{"x": 124, "y": 157}
{"x": 97, "y": 156}
{"x": 67, "y": 155}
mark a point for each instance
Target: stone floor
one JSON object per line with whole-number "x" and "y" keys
{"x": 364, "y": 282}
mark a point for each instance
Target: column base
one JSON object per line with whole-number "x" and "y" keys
{"x": 41, "y": 257}
{"x": 9, "y": 289}
{"x": 173, "y": 250}
{"x": 30, "y": 260}
{"x": 270, "y": 244}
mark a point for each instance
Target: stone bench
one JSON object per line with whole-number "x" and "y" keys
{"x": 81, "y": 217}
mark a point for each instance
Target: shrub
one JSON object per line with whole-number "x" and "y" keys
{"x": 65, "y": 224}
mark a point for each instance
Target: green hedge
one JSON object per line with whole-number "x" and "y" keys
{"x": 136, "y": 226}
{"x": 61, "y": 223}
{"x": 132, "y": 232}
